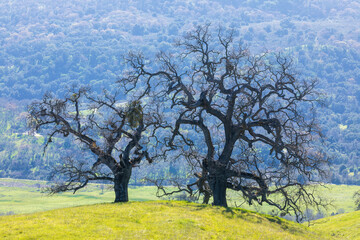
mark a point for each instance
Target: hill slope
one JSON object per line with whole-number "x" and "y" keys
{"x": 150, "y": 220}
{"x": 342, "y": 226}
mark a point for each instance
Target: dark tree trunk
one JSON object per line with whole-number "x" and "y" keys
{"x": 121, "y": 182}
{"x": 218, "y": 186}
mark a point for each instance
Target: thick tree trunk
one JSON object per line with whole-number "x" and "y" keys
{"x": 121, "y": 182}
{"x": 218, "y": 187}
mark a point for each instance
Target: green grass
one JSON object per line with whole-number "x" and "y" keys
{"x": 156, "y": 219}
{"x": 151, "y": 220}
{"x": 340, "y": 196}
{"x": 342, "y": 226}
{"x": 24, "y": 196}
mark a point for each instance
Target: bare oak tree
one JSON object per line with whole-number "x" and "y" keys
{"x": 111, "y": 130}
{"x": 251, "y": 117}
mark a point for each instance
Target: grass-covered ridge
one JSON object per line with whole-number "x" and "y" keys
{"x": 342, "y": 226}
{"x": 151, "y": 220}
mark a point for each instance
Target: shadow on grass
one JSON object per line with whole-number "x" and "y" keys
{"x": 200, "y": 207}
{"x": 251, "y": 216}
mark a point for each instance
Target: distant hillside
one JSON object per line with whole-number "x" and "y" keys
{"x": 48, "y": 46}
{"x": 52, "y": 45}
{"x": 151, "y": 220}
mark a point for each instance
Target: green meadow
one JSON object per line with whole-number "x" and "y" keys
{"x": 25, "y": 196}
{"x": 340, "y": 198}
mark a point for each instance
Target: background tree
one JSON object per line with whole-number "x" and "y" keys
{"x": 110, "y": 129}
{"x": 251, "y": 117}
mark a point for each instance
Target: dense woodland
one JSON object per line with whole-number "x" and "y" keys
{"x": 53, "y": 45}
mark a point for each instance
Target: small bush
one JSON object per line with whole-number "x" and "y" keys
{"x": 357, "y": 199}
{"x": 7, "y": 213}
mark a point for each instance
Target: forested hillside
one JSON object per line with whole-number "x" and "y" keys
{"x": 52, "y": 45}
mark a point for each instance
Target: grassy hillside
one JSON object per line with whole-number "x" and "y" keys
{"x": 151, "y": 220}
{"x": 342, "y": 226}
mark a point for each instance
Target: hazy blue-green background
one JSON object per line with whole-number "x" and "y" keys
{"x": 49, "y": 45}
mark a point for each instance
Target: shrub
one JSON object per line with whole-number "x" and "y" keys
{"x": 357, "y": 199}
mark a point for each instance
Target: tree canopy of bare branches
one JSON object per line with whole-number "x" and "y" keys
{"x": 110, "y": 129}
{"x": 251, "y": 117}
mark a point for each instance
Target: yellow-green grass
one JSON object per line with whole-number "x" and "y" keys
{"x": 342, "y": 226}
{"x": 151, "y": 220}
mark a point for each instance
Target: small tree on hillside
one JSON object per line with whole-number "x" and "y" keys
{"x": 111, "y": 130}
{"x": 250, "y": 117}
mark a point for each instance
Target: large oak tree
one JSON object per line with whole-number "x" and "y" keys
{"x": 251, "y": 117}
